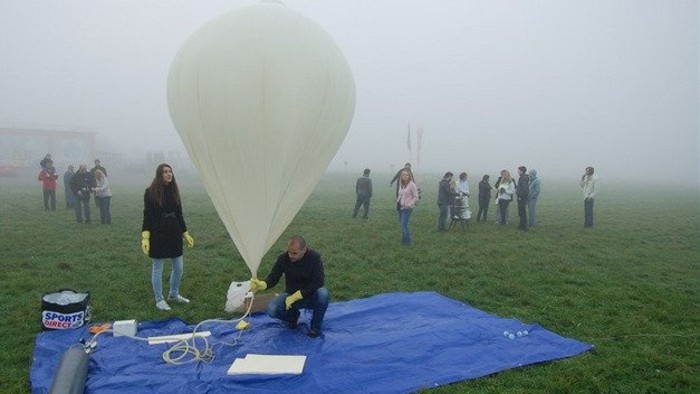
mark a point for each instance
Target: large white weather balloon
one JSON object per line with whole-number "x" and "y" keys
{"x": 262, "y": 99}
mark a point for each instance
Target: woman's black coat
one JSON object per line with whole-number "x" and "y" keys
{"x": 165, "y": 223}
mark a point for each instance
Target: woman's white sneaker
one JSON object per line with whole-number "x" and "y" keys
{"x": 162, "y": 305}
{"x": 179, "y": 298}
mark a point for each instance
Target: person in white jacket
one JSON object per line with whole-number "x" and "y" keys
{"x": 589, "y": 185}
{"x": 506, "y": 189}
{"x": 462, "y": 201}
{"x": 103, "y": 196}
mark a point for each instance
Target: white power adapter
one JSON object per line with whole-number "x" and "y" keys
{"x": 124, "y": 328}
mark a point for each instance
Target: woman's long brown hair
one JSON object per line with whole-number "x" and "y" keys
{"x": 155, "y": 191}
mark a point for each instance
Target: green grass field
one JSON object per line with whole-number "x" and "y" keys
{"x": 629, "y": 286}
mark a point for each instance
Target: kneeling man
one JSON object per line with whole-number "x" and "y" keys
{"x": 303, "y": 271}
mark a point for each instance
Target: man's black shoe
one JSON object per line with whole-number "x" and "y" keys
{"x": 314, "y": 333}
{"x": 293, "y": 321}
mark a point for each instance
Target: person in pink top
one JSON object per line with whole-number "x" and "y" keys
{"x": 406, "y": 200}
{"x": 47, "y": 177}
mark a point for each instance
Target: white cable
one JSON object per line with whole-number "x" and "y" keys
{"x": 183, "y": 347}
{"x": 177, "y": 354}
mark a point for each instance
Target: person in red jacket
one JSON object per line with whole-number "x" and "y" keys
{"x": 48, "y": 178}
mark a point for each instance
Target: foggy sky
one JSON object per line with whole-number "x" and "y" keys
{"x": 553, "y": 85}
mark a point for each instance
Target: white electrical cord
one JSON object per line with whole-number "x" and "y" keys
{"x": 179, "y": 352}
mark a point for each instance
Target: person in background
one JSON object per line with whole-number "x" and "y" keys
{"x": 363, "y": 191}
{"x": 98, "y": 167}
{"x": 162, "y": 234}
{"x": 522, "y": 192}
{"x": 495, "y": 187}
{"x": 397, "y": 178}
{"x": 70, "y": 197}
{"x": 506, "y": 189}
{"x": 484, "y": 199}
{"x": 532, "y": 198}
{"x": 462, "y": 186}
{"x": 103, "y": 196}
{"x": 47, "y": 176}
{"x": 406, "y": 200}
{"x": 93, "y": 170}
{"x": 589, "y": 185}
{"x": 43, "y": 161}
{"x": 81, "y": 184}
{"x": 445, "y": 196}
{"x": 462, "y": 200}
{"x": 302, "y": 268}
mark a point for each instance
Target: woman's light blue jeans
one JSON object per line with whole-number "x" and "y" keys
{"x": 404, "y": 215}
{"x": 175, "y": 277}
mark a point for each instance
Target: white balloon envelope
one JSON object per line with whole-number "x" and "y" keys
{"x": 262, "y": 99}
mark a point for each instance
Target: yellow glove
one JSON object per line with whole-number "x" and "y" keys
{"x": 257, "y": 285}
{"x": 145, "y": 242}
{"x": 188, "y": 238}
{"x": 296, "y": 296}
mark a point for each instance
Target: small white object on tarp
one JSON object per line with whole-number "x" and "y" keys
{"x": 124, "y": 328}
{"x": 236, "y": 295}
{"x": 265, "y": 364}
{"x": 177, "y": 337}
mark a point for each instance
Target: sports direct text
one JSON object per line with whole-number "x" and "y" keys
{"x": 61, "y": 321}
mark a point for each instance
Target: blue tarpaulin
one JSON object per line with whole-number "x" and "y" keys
{"x": 389, "y": 343}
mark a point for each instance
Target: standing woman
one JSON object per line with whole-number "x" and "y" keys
{"x": 103, "y": 196}
{"x": 506, "y": 189}
{"x": 406, "y": 200}
{"x": 162, "y": 233}
{"x": 484, "y": 198}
